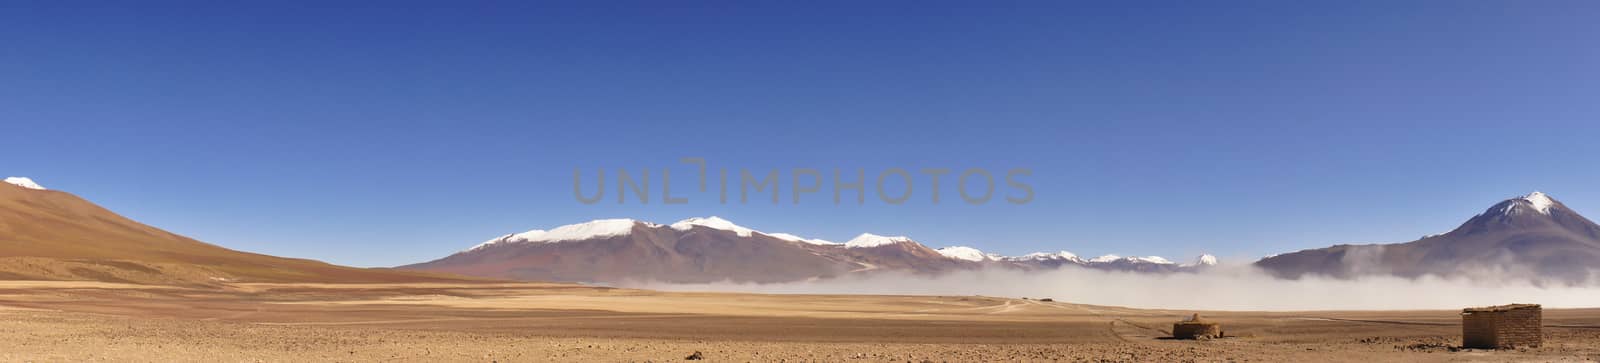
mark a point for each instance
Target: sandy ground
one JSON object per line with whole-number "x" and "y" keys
{"x": 75, "y": 321}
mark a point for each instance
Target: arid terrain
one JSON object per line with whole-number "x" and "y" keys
{"x": 80, "y": 283}
{"x": 98, "y": 321}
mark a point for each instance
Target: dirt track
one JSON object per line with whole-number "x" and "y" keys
{"x": 543, "y": 322}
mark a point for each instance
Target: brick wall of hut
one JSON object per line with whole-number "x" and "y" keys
{"x": 1502, "y": 328}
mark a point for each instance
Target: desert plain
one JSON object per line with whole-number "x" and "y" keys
{"x": 79, "y": 321}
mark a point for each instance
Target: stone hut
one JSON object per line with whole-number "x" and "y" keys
{"x": 1502, "y": 327}
{"x": 1195, "y": 328}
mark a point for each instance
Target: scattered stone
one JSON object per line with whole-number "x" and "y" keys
{"x": 695, "y": 356}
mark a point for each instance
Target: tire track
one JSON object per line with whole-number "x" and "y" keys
{"x": 1111, "y": 324}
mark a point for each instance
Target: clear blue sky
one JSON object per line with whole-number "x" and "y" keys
{"x": 398, "y": 133}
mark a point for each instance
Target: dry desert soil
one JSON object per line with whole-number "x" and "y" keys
{"x": 531, "y": 322}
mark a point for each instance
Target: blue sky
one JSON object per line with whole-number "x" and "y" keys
{"x": 398, "y": 133}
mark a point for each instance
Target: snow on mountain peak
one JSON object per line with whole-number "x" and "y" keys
{"x": 24, "y": 182}
{"x": 1106, "y": 258}
{"x": 571, "y": 232}
{"x": 515, "y": 237}
{"x": 587, "y": 230}
{"x": 794, "y": 238}
{"x": 963, "y": 253}
{"x": 866, "y": 240}
{"x": 1151, "y": 259}
{"x": 605, "y": 228}
{"x": 713, "y": 222}
{"x": 1038, "y": 256}
{"x": 1540, "y": 201}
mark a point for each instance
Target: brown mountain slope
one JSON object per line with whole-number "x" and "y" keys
{"x": 904, "y": 254}
{"x": 54, "y": 235}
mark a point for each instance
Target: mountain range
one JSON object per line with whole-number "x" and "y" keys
{"x": 54, "y": 235}
{"x": 1532, "y": 236}
{"x": 713, "y": 249}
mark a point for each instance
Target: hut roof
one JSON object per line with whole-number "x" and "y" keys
{"x": 1500, "y": 308}
{"x": 1195, "y": 319}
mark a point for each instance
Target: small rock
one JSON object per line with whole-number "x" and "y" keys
{"x": 695, "y": 356}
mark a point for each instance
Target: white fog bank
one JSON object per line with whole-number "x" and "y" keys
{"x": 1229, "y": 288}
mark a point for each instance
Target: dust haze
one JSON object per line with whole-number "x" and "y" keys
{"x": 1237, "y": 288}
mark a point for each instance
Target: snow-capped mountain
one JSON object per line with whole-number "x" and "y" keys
{"x": 573, "y": 232}
{"x": 710, "y": 249}
{"x": 1107, "y": 262}
{"x": 1044, "y": 256}
{"x": 794, "y": 238}
{"x": 1151, "y": 259}
{"x": 715, "y": 222}
{"x": 1536, "y": 202}
{"x": 868, "y": 240}
{"x": 964, "y": 253}
{"x": 1532, "y": 236}
{"x": 1050, "y": 260}
{"x": 1106, "y": 259}
{"x": 24, "y": 182}
{"x": 706, "y": 249}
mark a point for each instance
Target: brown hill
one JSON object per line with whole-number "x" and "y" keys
{"x": 54, "y": 235}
